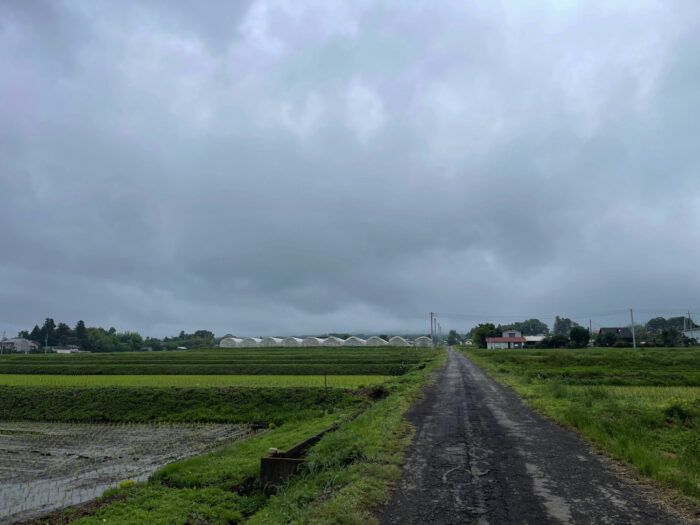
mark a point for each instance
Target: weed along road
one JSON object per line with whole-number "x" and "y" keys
{"x": 480, "y": 456}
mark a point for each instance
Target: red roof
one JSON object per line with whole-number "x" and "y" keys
{"x": 505, "y": 339}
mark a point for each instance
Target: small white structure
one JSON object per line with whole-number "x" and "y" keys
{"x": 271, "y": 341}
{"x": 312, "y": 341}
{"x": 376, "y": 341}
{"x": 423, "y": 341}
{"x": 333, "y": 341}
{"x": 18, "y": 344}
{"x": 398, "y": 341}
{"x": 250, "y": 342}
{"x": 230, "y": 342}
{"x": 692, "y": 334}
{"x": 355, "y": 341}
{"x": 291, "y": 341}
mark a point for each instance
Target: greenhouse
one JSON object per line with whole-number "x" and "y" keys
{"x": 271, "y": 341}
{"x": 423, "y": 341}
{"x": 249, "y": 342}
{"x": 291, "y": 341}
{"x": 230, "y": 342}
{"x": 312, "y": 341}
{"x": 333, "y": 341}
{"x": 398, "y": 341}
{"x": 376, "y": 341}
{"x": 355, "y": 341}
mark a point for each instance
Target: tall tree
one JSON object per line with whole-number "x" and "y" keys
{"x": 563, "y": 325}
{"x": 481, "y": 332}
{"x": 579, "y": 336}
{"x": 48, "y": 332}
{"x": 81, "y": 335}
{"x": 452, "y": 338}
{"x": 63, "y": 332}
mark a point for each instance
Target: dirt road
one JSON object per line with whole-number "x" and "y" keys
{"x": 481, "y": 456}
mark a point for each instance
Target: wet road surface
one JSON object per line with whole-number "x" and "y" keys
{"x": 480, "y": 456}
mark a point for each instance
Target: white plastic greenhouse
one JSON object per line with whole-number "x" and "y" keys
{"x": 376, "y": 341}
{"x": 333, "y": 341}
{"x": 271, "y": 341}
{"x": 230, "y": 342}
{"x": 422, "y": 341}
{"x": 250, "y": 342}
{"x": 291, "y": 341}
{"x": 312, "y": 341}
{"x": 397, "y": 340}
{"x": 355, "y": 341}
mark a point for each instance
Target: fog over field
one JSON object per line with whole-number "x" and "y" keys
{"x": 296, "y": 167}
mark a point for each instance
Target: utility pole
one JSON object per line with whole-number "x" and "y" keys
{"x": 432, "y": 337}
{"x": 590, "y": 332}
{"x": 634, "y": 338}
{"x": 46, "y": 345}
{"x": 690, "y": 322}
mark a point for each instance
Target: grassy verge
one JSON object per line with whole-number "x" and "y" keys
{"x": 257, "y": 381}
{"x": 149, "y": 404}
{"x": 347, "y": 475}
{"x": 654, "y": 428}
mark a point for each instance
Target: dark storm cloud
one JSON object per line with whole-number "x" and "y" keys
{"x": 284, "y": 167}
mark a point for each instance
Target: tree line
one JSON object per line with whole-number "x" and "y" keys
{"x": 98, "y": 339}
{"x": 657, "y": 332}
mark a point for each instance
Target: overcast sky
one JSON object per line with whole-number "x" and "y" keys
{"x": 299, "y": 167}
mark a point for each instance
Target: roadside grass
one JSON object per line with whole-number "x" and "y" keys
{"x": 346, "y": 477}
{"x": 198, "y": 381}
{"x": 654, "y": 428}
{"x": 170, "y": 404}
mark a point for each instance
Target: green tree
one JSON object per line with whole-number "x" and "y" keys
{"x": 563, "y": 325}
{"x": 48, "y": 332}
{"x": 81, "y": 335}
{"x": 656, "y": 324}
{"x": 579, "y": 337}
{"x": 481, "y": 332}
{"x": 606, "y": 339}
{"x": 35, "y": 334}
{"x": 532, "y": 327}
{"x": 63, "y": 333}
{"x": 452, "y": 338}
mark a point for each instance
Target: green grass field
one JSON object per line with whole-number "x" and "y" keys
{"x": 641, "y": 407}
{"x": 387, "y": 361}
{"x": 199, "y": 381}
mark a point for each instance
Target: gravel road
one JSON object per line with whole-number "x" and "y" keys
{"x": 481, "y": 456}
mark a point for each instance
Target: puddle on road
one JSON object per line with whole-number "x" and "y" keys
{"x": 47, "y": 466}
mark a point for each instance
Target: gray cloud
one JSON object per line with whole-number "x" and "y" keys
{"x": 284, "y": 167}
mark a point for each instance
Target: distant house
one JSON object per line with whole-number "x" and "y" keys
{"x": 692, "y": 334}
{"x": 533, "y": 340}
{"x": 18, "y": 344}
{"x": 622, "y": 333}
{"x": 509, "y": 339}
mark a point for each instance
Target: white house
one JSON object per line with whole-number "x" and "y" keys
{"x": 509, "y": 339}
{"x": 18, "y": 344}
{"x": 397, "y": 340}
{"x": 693, "y": 333}
{"x": 376, "y": 341}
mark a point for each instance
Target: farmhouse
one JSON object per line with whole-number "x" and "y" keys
{"x": 18, "y": 344}
{"x": 509, "y": 339}
{"x": 622, "y": 333}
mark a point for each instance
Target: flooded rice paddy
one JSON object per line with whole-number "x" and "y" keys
{"x": 48, "y": 466}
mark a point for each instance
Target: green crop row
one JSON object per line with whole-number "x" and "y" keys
{"x": 200, "y": 381}
{"x": 170, "y": 404}
{"x": 268, "y": 361}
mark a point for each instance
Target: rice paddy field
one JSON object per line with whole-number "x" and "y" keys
{"x": 641, "y": 407}
{"x": 73, "y": 426}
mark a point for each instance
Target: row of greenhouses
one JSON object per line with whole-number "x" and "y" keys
{"x": 251, "y": 342}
